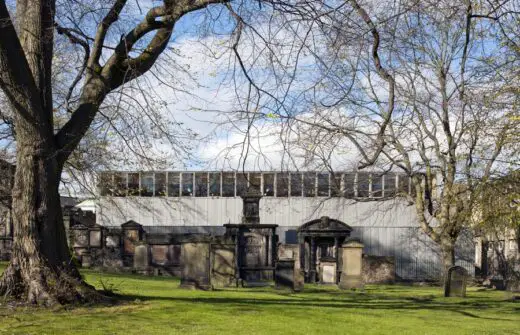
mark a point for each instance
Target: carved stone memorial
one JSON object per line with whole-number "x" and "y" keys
{"x": 455, "y": 285}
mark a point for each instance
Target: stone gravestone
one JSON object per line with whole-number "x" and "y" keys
{"x": 455, "y": 285}
{"x": 299, "y": 280}
{"x": 352, "y": 264}
{"x": 284, "y": 273}
{"x": 141, "y": 259}
{"x": 195, "y": 261}
{"x": 223, "y": 265}
{"x": 328, "y": 270}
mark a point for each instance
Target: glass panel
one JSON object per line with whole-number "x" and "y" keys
{"x": 146, "y": 184}
{"x": 323, "y": 185}
{"x": 390, "y": 185}
{"x": 160, "y": 184}
{"x": 269, "y": 184}
{"x": 214, "y": 184}
{"x": 282, "y": 184}
{"x": 377, "y": 185}
{"x": 105, "y": 183}
{"x": 296, "y": 184}
{"x": 228, "y": 184}
{"x": 241, "y": 183}
{"x": 133, "y": 183}
{"x": 174, "y": 185}
{"x": 309, "y": 184}
{"x": 349, "y": 185}
{"x": 120, "y": 184}
{"x": 255, "y": 181}
{"x": 187, "y": 184}
{"x": 363, "y": 182}
{"x": 335, "y": 185}
{"x": 201, "y": 184}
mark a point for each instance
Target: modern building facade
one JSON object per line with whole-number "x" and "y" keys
{"x": 376, "y": 207}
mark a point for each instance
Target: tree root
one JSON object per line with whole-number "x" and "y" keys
{"x": 48, "y": 287}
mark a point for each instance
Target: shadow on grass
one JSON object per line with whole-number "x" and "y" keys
{"x": 350, "y": 301}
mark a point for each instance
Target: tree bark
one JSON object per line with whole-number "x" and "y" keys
{"x": 40, "y": 271}
{"x": 447, "y": 255}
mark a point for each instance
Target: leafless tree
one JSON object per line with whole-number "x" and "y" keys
{"x": 51, "y": 125}
{"x": 427, "y": 87}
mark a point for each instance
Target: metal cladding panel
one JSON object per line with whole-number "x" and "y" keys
{"x": 288, "y": 212}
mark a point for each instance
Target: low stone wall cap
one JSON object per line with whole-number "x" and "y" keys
{"x": 353, "y": 242}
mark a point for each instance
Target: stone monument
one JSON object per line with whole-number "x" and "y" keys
{"x": 142, "y": 259}
{"x": 284, "y": 273}
{"x": 455, "y": 285}
{"x": 195, "y": 260}
{"x": 352, "y": 263}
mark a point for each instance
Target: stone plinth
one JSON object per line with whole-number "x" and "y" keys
{"x": 351, "y": 270}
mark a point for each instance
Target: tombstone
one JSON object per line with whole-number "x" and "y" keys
{"x": 455, "y": 285}
{"x": 352, "y": 265}
{"x": 299, "y": 280}
{"x": 284, "y": 273}
{"x": 95, "y": 237}
{"x": 81, "y": 237}
{"x": 86, "y": 260}
{"x": 223, "y": 265}
{"x": 195, "y": 262}
{"x": 112, "y": 241}
{"x": 141, "y": 259}
{"x": 328, "y": 270}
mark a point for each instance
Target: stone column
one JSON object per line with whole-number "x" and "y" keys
{"x": 312, "y": 269}
{"x": 301, "y": 241}
{"x": 352, "y": 253}
{"x": 336, "y": 255}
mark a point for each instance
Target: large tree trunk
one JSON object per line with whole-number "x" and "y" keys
{"x": 40, "y": 271}
{"x": 447, "y": 255}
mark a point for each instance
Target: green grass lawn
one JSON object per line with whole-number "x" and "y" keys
{"x": 158, "y": 306}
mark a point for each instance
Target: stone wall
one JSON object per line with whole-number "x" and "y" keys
{"x": 378, "y": 269}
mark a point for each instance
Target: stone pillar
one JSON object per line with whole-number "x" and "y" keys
{"x": 302, "y": 253}
{"x": 352, "y": 252}
{"x": 336, "y": 255}
{"x": 312, "y": 269}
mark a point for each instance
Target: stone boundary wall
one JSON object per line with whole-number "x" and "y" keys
{"x": 378, "y": 269}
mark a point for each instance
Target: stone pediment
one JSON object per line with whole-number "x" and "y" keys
{"x": 131, "y": 224}
{"x": 325, "y": 224}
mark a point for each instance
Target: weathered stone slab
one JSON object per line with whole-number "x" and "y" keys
{"x": 284, "y": 273}
{"x": 299, "y": 280}
{"x": 195, "y": 265}
{"x": 159, "y": 254}
{"x": 378, "y": 269}
{"x": 328, "y": 273}
{"x": 95, "y": 238}
{"x": 352, "y": 265}
{"x": 223, "y": 272}
{"x": 141, "y": 258}
{"x": 455, "y": 285}
{"x": 81, "y": 237}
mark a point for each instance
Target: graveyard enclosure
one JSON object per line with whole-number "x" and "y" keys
{"x": 373, "y": 208}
